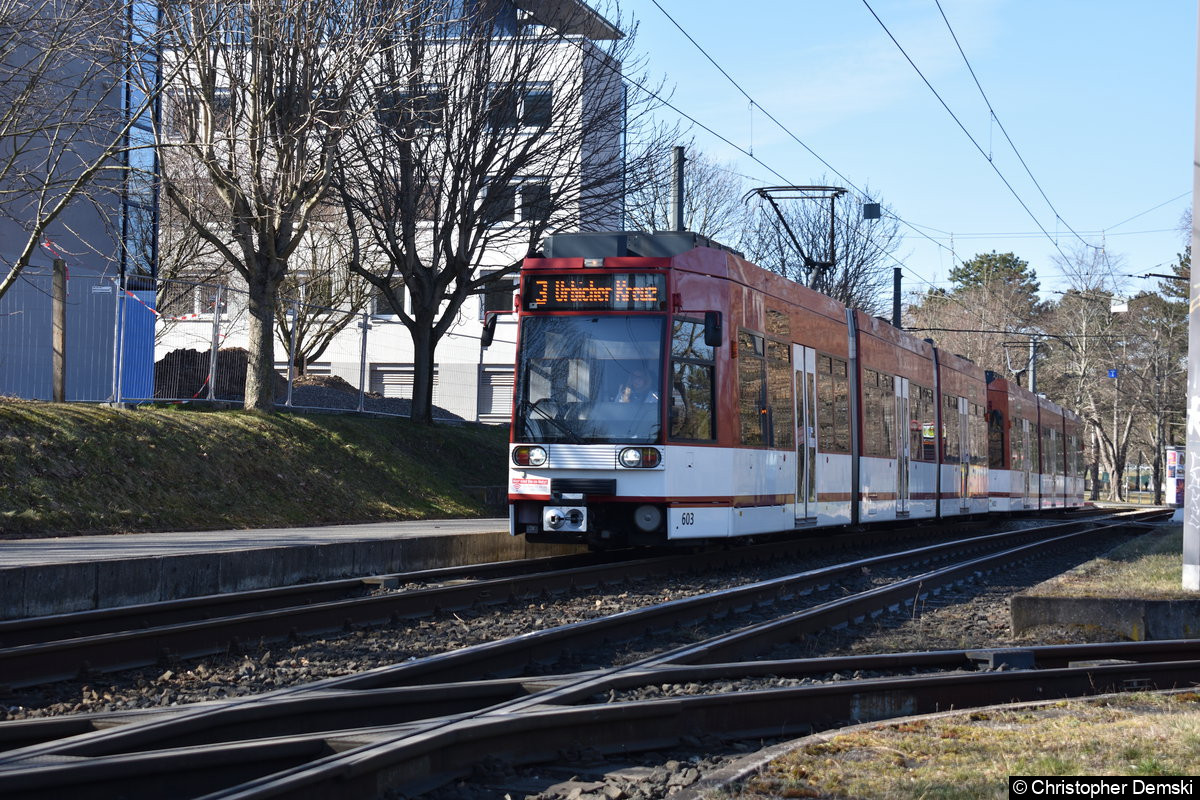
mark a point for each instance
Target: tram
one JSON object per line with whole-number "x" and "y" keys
{"x": 668, "y": 390}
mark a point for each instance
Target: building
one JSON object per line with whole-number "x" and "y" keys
{"x": 74, "y": 119}
{"x": 374, "y": 349}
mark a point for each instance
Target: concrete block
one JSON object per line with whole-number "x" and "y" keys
{"x": 377, "y": 557}
{"x": 12, "y": 593}
{"x": 1137, "y": 619}
{"x": 254, "y": 569}
{"x": 190, "y": 575}
{"x": 59, "y": 588}
{"x": 128, "y": 581}
{"x": 330, "y": 561}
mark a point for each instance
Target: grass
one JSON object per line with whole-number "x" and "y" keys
{"x": 971, "y": 756}
{"x": 1148, "y": 567}
{"x": 68, "y": 468}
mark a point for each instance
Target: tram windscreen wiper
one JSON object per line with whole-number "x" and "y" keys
{"x": 535, "y": 405}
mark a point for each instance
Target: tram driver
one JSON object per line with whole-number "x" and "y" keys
{"x": 637, "y": 389}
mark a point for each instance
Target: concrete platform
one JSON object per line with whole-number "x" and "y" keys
{"x": 1138, "y": 619}
{"x": 77, "y": 573}
{"x": 1109, "y": 599}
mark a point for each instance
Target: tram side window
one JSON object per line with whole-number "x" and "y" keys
{"x": 692, "y": 370}
{"x": 977, "y": 431}
{"x": 1047, "y": 452}
{"x": 1035, "y": 447}
{"x": 870, "y": 395}
{"x": 951, "y": 437}
{"x": 1074, "y": 456}
{"x": 752, "y": 388}
{"x": 879, "y": 414}
{"x": 779, "y": 395}
{"x": 1016, "y": 448}
{"x": 887, "y": 399}
{"x": 833, "y": 405}
{"x": 995, "y": 433}
{"x": 921, "y": 427}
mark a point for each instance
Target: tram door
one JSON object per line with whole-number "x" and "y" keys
{"x": 1027, "y": 458}
{"x": 964, "y": 448}
{"x": 903, "y": 422}
{"x": 805, "y": 359}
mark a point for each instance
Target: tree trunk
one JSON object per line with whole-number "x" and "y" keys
{"x": 260, "y": 347}
{"x": 1095, "y": 493}
{"x": 424, "y": 346}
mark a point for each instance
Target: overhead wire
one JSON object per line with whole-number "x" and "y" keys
{"x": 1148, "y": 210}
{"x": 790, "y": 134}
{"x": 1000, "y": 125}
{"x": 834, "y": 170}
{"x": 963, "y": 127}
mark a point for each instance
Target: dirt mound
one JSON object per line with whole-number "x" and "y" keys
{"x": 183, "y": 375}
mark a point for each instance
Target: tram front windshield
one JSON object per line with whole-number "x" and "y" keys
{"x": 590, "y": 380}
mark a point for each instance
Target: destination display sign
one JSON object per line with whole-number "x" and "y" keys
{"x": 609, "y": 291}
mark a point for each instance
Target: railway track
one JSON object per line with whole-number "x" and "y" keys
{"x": 419, "y": 724}
{"x": 45, "y": 649}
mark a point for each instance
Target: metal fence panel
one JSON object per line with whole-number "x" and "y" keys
{"x": 185, "y": 341}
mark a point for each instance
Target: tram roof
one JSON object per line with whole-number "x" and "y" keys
{"x": 621, "y": 244}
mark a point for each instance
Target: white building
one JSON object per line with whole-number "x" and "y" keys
{"x": 471, "y": 382}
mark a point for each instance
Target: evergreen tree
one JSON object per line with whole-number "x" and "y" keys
{"x": 987, "y": 271}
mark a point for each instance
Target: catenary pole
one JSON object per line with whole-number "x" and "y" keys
{"x": 677, "y": 197}
{"x": 1191, "y": 492}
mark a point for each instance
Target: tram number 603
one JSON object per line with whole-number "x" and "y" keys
{"x": 687, "y": 518}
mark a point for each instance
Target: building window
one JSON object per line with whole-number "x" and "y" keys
{"x": 531, "y": 197}
{"x": 521, "y": 106}
{"x": 422, "y": 108}
{"x": 382, "y": 307}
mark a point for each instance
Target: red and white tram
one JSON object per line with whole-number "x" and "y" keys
{"x": 667, "y": 389}
{"x": 1035, "y": 450}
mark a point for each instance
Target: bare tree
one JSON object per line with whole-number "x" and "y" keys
{"x": 713, "y": 199}
{"x": 321, "y": 295}
{"x": 266, "y": 93}
{"x": 1157, "y": 369}
{"x": 987, "y": 316}
{"x": 491, "y": 131}
{"x": 65, "y": 119}
{"x": 861, "y": 249}
{"x": 1089, "y": 340}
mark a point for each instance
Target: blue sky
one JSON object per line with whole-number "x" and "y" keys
{"x": 1097, "y": 95}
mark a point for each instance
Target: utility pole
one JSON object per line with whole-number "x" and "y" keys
{"x": 1033, "y": 343}
{"x": 58, "y": 334}
{"x": 896, "y": 297}
{"x": 677, "y": 197}
{"x": 1191, "y": 499}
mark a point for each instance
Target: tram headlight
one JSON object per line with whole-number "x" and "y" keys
{"x": 639, "y": 457}
{"x": 528, "y": 456}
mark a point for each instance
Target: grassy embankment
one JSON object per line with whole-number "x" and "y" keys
{"x": 86, "y": 469}
{"x": 1149, "y": 567}
{"x": 970, "y": 756}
